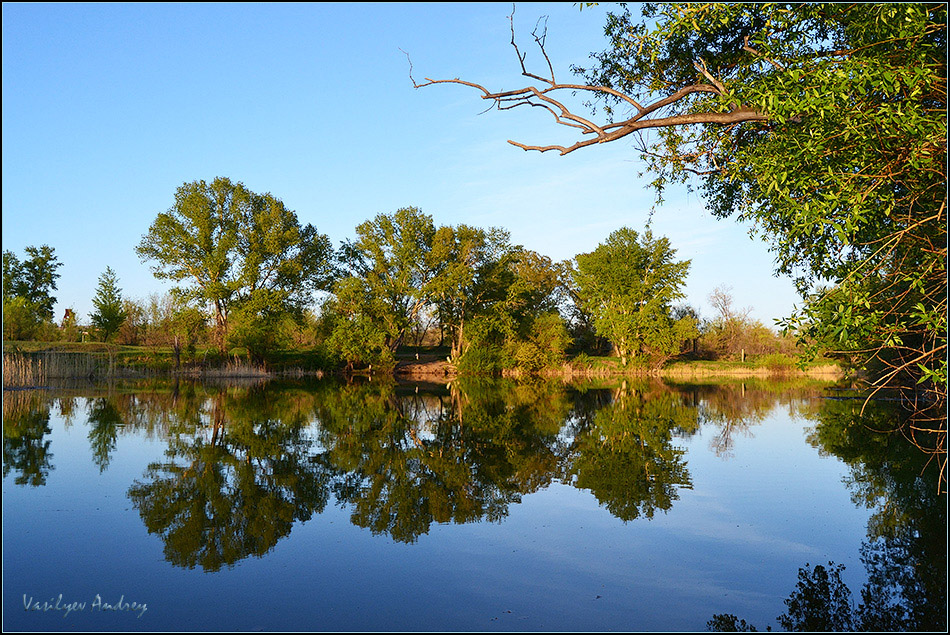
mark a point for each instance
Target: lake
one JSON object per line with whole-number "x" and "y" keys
{"x": 474, "y": 506}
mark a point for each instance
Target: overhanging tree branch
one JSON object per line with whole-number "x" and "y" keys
{"x": 563, "y": 115}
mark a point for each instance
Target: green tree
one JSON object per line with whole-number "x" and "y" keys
{"x": 172, "y": 321}
{"x": 228, "y": 247}
{"x": 353, "y": 335}
{"x": 627, "y": 285}
{"x": 20, "y": 319}
{"x": 474, "y": 277}
{"x": 391, "y": 262}
{"x": 110, "y": 310}
{"x": 33, "y": 278}
{"x": 822, "y": 123}
{"x": 27, "y": 293}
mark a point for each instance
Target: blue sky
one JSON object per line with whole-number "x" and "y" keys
{"x": 109, "y": 108}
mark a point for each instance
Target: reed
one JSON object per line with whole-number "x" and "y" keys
{"x": 22, "y": 370}
{"x": 236, "y": 369}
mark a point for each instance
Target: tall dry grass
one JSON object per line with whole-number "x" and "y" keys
{"x": 22, "y": 370}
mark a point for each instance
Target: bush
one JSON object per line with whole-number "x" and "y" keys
{"x": 777, "y": 363}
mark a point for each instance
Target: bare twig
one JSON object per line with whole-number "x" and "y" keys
{"x": 563, "y": 115}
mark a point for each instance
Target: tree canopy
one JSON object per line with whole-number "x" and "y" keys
{"x": 232, "y": 248}
{"x": 824, "y": 124}
{"x": 391, "y": 267}
{"x": 33, "y": 278}
{"x": 627, "y": 285}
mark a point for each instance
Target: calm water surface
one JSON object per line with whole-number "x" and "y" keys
{"x": 475, "y": 507}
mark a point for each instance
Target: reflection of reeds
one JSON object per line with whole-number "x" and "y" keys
{"x": 17, "y": 402}
{"x": 236, "y": 369}
{"x": 35, "y": 369}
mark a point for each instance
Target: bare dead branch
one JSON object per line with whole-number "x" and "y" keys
{"x": 604, "y": 133}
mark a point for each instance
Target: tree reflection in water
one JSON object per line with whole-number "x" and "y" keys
{"x": 233, "y": 486}
{"x": 906, "y": 552}
{"x": 26, "y": 449}
{"x": 105, "y": 420}
{"x": 625, "y": 455}
{"x": 464, "y": 456}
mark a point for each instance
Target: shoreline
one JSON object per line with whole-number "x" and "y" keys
{"x": 32, "y": 369}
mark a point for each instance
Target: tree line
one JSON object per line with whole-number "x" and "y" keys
{"x": 248, "y": 275}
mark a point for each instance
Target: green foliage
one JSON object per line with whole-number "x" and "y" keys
{"x": 110, "y": 310}
{"x": 352, "y": 335}
{"x": 627, "y": 285}
{"x": 257, "y": 327}
{"x": 543, "y": 345}
{"x": 391, "y": 260}
{"x": 474, "y": 278}
{"x": 21, "y": 319}
{"x": 777, "y": 363}
{"x": 33, "y": 279}
{"x": 516, "y": 326}
{"x": 229, "y": 246}
{"x": 842, "y": 168}
{"x": 171, "y": 321}
{"x": 27, "y": 294}
{"x": 496, "y": 300}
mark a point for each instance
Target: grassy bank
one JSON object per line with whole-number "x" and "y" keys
{"x": 770, "y": 366}
{"x": 28, "y": 364}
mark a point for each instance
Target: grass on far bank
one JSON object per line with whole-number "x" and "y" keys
{"x": 160, "y": 359}
{"x": 764, "y": 366}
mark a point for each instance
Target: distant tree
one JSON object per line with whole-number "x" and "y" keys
{"x": 172, "y": 321}
{"x": 33, "y": 278}
{"x": 391, "y": 259}
{"x": 110, "y": 310}
{"x": 132, "y": 331}
{"x": 474, "y": 276}
{"x": 229, "y": 246}
{"x": 627, "y": 285}
{"x": 732, "y": 334}
{"x": 27, "y": 293}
